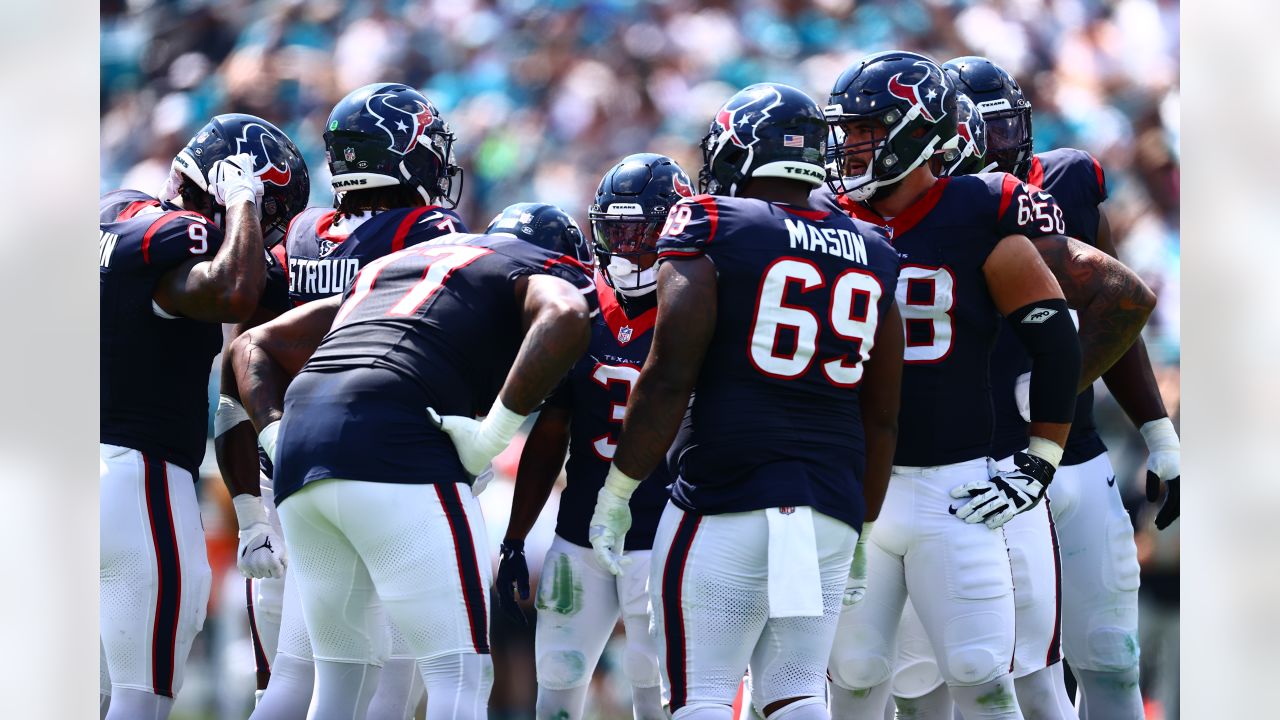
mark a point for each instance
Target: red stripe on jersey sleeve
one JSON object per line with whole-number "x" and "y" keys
{"x": 134, "y": 208}
{"x": 402, "y": 232}
{"x": 708, "y": 203}
{"x": 1102, "y": 179}
{"x": 160, "y": 222}
{"x": 1006, "y": 193}
{"x": 1035, "y": 176}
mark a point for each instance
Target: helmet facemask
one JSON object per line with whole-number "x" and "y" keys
{"x": 1009, "y": 139}
{"x": 884, "y": 167}
{"x": 623, "y": 245}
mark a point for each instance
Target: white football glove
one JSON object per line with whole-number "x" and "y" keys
{"x": 482, "y": 480}
{"x": 478, "y": 442}
{"x": 1164, "y": 465}
{"x": 856, "y": 587}
{"x": 172, "y": 185}
{"x": 261, "y": 553}
{"x": 611, "y": 520}
{"x": 1008, "y": 492}
{"x": 232, "y": 180}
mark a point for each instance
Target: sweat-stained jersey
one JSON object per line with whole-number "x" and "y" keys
{"x": 595, "y": 391}
{"x": 435, "y": 325}
{"x": 324, "y": 259}
{"x": 154, "y": 366}
{"x": 775, "y": 419}
{"x": 943, "y": 240}
{"x": 1076, "y": 181}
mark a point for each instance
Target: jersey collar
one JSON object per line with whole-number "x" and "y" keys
{"x": 905, "y": 220}
{"x": 624, "y": 329}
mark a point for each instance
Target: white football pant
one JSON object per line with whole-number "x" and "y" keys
{"x": 578, "y": 603}
{"x": 708, "y": 586}
{"x": 154, "y": 574}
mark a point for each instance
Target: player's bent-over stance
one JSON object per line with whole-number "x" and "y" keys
{"x": 781, "y": 320}
{"x": 375, "y": 445}
{"x": 170, "y": 269}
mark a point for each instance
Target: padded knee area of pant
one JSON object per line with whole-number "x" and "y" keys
{"x": 703, "y": 711}
{"x": 640, "y": 668}
{"x": 804, "y": 708}
{"x": 562, "y": 669}
{"x": 1112, "y": 649}
{"x": 974, "y": 666}
{"x": 858, "y": 672}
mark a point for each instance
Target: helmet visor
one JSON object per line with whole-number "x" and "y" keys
{"x": 626, "y": 237}
{"x": 1006, "y": 131}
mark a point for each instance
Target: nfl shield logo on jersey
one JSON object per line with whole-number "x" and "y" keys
{"x": 624, "y": 334}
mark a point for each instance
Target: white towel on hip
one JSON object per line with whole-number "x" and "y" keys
{"x": 795, "y": 584}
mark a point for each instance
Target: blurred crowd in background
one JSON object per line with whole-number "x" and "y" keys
{"x": 546, "y": 96}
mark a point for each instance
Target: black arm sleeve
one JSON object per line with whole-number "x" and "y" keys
{"x": 1046, "y": 331}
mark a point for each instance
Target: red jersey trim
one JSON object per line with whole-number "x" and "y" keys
{"x": 906, "y": 220}
{"x": 402, "y": 232}
{"x": 160, "y": 222}
{"x": 134, "y": 208}
{"x": 708, "y": 203}
{"x": 282, "y": 257}
{"x": 616, "y": 317}
{"x": 1035, "y": 176}
{"x": 324, "y": 228}
{"x": 806, "y": 214}
{"x": 1007, "y": 188}
{"x": 1102, "y": 180}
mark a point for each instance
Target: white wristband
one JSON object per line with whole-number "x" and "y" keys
{"x": 229, "y": 414}
{"x": 501, "y": 424}
{"x": 867, "y": 527}
{"x": 1160, "y": 435}
{"x": 267, "y": 439}
{"x": 249, "y": 510}
{"x": 620, "y": 483}
{"x": 1045, "y": 449}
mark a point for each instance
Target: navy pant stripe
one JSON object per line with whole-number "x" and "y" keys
{"x": 260, "y": 661}
{"x": 1055, "y": 644}
{"x": 473, "y": 590}
{"x": 164, "y": 537}
{"x": 672, "y": 609}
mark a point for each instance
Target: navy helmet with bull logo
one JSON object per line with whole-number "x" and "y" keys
{"x": 389, "y": 134}
{"x": 765, "y": 130}
{"x": 910, "y": 103}
{"x": 276, "y": 162}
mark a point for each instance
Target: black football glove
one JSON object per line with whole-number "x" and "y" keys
{"x": 1008, "y": 492}
{"x": 513, "y": 577}
{"x": 1164, "y": 463}
{"x": 1169, "y": 510}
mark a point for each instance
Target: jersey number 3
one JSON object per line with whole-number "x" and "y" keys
{"x": 609, "y": 375}
{"x": 852, "y": 313}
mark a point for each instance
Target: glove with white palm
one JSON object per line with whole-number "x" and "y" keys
{"x": 1009, "y": 492}
{"x": 478, "y": 442}
{"x": 261, "y": 552}
{"x": 611, "y": 520}
{"x": 232, "y": 180}
{"x": 1164, "y": 465}
{"x": 855, "y": 588}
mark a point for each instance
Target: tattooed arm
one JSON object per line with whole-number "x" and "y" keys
{"x": 1112, "y": 301}
{"x": 681, "y": 334}
{"x": 267, "y": 357}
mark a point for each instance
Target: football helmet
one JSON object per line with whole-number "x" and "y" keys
{"x": 276, "y": 161}
{"x": 388, "y": 134}
{"x": 631, "y": 207}
{"x": 764, "y": 130}
{"x": 1006, "y": 111}
{"x": 909, "y": 102}
{"x": 965, "y": 153}
{"x": 546, "y": 226}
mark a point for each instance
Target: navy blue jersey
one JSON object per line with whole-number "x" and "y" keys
{"x": 775, "y": 419}
{"x": 1076, "y": 181}
{"x": 595, "y": 391}
{"x": 323, "y": 259}
{"x": 434, "y": 325}
{"x": 154, "y": 366}
{"x": 943, "y": 241}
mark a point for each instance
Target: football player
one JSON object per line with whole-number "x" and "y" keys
{"x": 579, "y": 600}
{"x": 967, "y": 260}
{"x": 781, "y": 320}
{"x": 170, "y": 269}
{"x": 387, "y": 181}
{"x": 378, "y": 445}
{"x": 1099, "y": 595}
